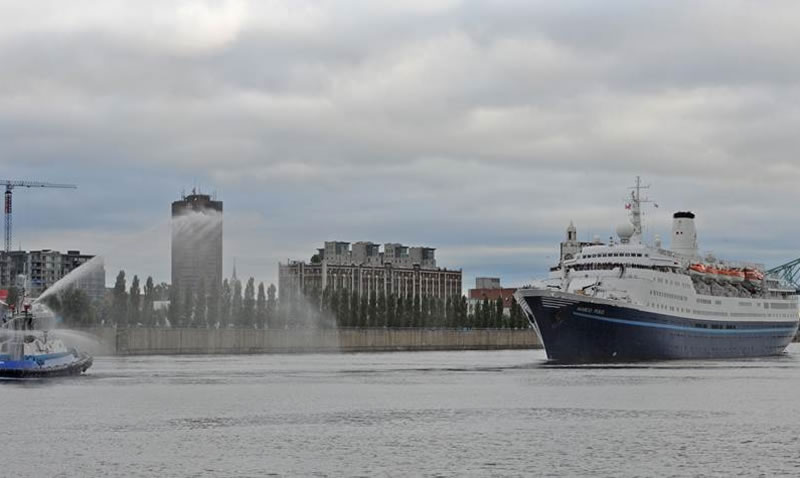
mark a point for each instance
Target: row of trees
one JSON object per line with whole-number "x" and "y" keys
{"x": 228, "y": 305}
{"x": 233, "y": 304}
{"x": 347, "y": 308}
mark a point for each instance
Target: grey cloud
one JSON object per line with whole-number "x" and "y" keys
{"x": 474, "y": 126}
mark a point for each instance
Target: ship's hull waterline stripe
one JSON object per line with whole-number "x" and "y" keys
{"x": 782, "y": 329}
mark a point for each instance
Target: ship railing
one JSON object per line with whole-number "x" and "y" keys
{"x": 742, "y": 265}
{"x": 722, "y": 263}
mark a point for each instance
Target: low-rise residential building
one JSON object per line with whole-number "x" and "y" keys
{"x": 43, "y": 268}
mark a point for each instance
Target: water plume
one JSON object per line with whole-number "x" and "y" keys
{"x": 74, "y": 278}
{"x": 196, "y": 248}
{"x": 198, "y": 224}
{"x": 84, "y": 342}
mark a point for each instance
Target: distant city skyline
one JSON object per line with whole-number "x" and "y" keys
{"x": 478, "y": 129}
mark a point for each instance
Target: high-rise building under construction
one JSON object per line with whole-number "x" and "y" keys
{"x": 196, "y": 242}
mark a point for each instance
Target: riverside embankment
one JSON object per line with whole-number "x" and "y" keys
{"x": 168, "y": 341}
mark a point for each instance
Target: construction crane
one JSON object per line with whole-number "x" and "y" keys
{"x": 10, "y": 185}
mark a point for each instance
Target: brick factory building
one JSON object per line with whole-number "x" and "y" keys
{"x": 489, "y": 288}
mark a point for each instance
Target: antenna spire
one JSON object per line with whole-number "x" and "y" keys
{"x": 635, "y": 207}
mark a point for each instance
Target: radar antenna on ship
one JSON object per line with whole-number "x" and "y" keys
{"x": 635, "y": 206}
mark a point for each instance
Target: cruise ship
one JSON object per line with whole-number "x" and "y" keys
{"x": 626, "y": 300}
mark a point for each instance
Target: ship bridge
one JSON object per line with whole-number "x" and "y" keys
{"x": 628, "y": 254}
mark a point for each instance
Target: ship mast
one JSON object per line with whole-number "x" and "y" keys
{"x": 636, "y": 208}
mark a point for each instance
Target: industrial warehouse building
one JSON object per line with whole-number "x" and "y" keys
{"x": 364, "y": 268}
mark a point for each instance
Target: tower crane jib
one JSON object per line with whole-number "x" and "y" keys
{"x": 10, "y": 185}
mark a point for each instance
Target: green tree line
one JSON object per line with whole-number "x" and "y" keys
{"x": 348, "y": 308}
{"x": 233, "y": 304}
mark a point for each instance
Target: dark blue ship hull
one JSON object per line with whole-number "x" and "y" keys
{"x": 582, "y": 331}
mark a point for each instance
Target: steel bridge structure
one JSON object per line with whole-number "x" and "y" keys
{"x": 790, "y": 272}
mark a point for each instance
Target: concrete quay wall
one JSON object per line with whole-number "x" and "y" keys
{"x": 166, "y": 341}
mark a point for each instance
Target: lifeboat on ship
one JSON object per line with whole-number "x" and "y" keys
{"x": 734, "y": 275}
{"x": 712, "y": 272}
{"x": 697, "y": 269}
{"x": 753, "y": 275}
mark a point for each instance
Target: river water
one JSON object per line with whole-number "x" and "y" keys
{"x": 405, "y": 414}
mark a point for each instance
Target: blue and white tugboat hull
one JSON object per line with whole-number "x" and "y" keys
{"x": 574, "y": 328}
{"x": 43, "y": 366}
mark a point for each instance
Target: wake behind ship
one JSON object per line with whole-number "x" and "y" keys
{"x": 627, "y": 300}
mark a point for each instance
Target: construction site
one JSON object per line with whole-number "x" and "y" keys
{"x": 37, "y": 270}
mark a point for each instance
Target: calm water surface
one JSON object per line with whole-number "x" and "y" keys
{"x": 405, "y": 414}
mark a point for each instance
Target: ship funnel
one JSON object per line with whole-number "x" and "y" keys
{"x": 684, "y": 234}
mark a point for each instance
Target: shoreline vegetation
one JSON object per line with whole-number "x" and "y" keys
{"x": 247, "y": 305}
{"x": 189, "y": 341}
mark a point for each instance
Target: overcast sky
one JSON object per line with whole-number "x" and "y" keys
{"x": 478, "y": 128}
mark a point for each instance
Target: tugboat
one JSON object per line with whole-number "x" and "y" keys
{"x": 628, "y": 300}
{"x": 27, "y": 350}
